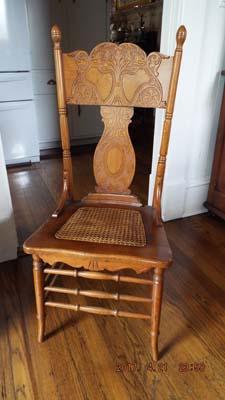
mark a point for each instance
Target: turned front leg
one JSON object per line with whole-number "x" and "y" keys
{"x": 156, "y": 310}
{"x": 39, "y": 295}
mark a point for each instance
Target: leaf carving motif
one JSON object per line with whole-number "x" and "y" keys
{"x": 115, "y": 75}
{"x": 93, "y": 265}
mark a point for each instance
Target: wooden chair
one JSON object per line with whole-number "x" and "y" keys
{"x": 109, "y": 229}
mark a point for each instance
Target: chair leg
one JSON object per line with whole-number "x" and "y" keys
{"x": 156, "y": 310}
{"x": 39, "y": 295}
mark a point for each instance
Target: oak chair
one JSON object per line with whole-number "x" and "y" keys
{"x": 108, "y": 230}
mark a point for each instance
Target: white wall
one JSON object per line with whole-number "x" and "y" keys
{"x": 197, "y": 105}
{"x": 8, "y": 236}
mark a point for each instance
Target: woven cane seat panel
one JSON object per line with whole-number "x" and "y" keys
{"x": 104, "y": 225}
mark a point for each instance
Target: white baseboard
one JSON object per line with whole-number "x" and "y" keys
{"x": 9, "y": 241}
{"x": 173, "y": 200}
{"x": 196, "y": 195}
{"x": 22, "y": 160}
{"x": 44, "y": 145}
{"x": 181, "y": 200}
{"x": 202, "y": 210}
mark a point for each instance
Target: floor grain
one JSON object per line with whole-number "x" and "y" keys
{"x": 91, "y": 357}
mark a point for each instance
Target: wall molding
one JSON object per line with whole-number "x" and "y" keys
{"x": 197, "y": 106}
{"x": 172, "y": 11}
{"x": 184, "y": 199}
{"x": 80, "y": 140}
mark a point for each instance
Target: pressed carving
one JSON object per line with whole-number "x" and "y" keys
{"x": 93, "y": 265}
{"x": 117, "y": 75}
{"x": 114, "y": 159}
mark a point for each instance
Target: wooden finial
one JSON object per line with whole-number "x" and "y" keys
{"x": 181, "y": 35}
{"x": 56, "y": 34}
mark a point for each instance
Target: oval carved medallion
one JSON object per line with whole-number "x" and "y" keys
{"x": 114, "y": 159}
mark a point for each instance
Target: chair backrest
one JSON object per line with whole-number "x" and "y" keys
{"x": 115, "y": 75}
{"x": 117, "y": 78}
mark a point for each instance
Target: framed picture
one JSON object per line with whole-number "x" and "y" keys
{"x": 126, "y": 4}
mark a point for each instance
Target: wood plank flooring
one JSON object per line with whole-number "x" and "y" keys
{"x": 103, "y": 358}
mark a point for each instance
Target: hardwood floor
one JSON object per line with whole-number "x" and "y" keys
{"x": 90, "y": 357}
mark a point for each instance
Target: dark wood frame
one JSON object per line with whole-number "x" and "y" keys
{"x": 132, "y": 4}
{"x": 216, "y": 199}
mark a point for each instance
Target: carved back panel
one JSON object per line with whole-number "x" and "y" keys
{"x": 117, "y": 75}
{"x": 114, "y": 159}
{"x": 117, "y": 78}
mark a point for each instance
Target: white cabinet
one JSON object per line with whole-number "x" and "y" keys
{"x": 83, "y": 25}
{"x": 14, "y": 36}
{"x": 40, "y": 38}
{"x": 87, "y": 126}
{"x": 8, "y": 242}
{"x": 48, "y": 125}
{"x": 25, "y": 27}
{"x": 46, "y": 108}
{"x": 17, "y": 118}
{"x": 17, "y": 115}
{"x": 15, "y": 86}
{"x": 18, "y": 131}
{"x": 43, "y": 73}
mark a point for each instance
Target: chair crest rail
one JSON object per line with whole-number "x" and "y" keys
{"x": 117, "y": 75}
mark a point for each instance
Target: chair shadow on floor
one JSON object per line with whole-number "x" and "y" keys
{"x": 71, "y": 322}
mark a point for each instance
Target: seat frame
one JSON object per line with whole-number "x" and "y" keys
{"x": 49, "y": 260}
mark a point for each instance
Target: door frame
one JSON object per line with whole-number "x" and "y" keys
{"x": 171, "y": 19}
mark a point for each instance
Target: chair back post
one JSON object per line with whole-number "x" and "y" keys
{"x": 68, "y": 191}
{"x": 160, "y": 172}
